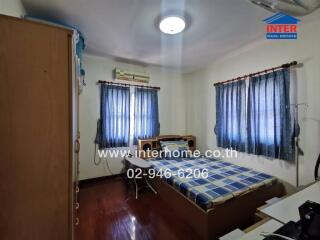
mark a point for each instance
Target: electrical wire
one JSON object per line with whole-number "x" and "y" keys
{"x": 267, "y": 234}
{"x": 109, "y": 169}
{"x": 95, "y": 156}
{"x": 316, "y": 169}
{"x": 100, "y": 159}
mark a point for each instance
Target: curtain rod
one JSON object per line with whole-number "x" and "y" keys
{"x": 126, "y": 84}
{"x": 286, "y": 65}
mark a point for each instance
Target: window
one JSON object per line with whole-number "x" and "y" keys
{"x": 127, "y": 114}
{"x": 269, "y": 117}
{"x": 230, "y": 107}
{"x": 115, "y": 116}
{"x": 146, "y": 118}
{"x": 265, "y": 128}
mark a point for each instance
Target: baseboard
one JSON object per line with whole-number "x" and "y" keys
{"x": 90, "y": 181}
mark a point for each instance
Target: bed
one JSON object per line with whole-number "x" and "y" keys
{"x": 227, "y": 199}
{"x": 222, "y": 182}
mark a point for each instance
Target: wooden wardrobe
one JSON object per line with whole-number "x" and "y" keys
{"x": 39, "y": 142}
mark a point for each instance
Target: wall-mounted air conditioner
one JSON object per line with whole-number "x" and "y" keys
{"x": 292, "y": 7}
{"x": 126, "y": 75}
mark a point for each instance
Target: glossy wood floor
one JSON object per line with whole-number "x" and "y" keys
{"x": 109, "y": 210}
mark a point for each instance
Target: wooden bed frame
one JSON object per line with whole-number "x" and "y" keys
{"x": 237, "y": 212}
{"x": 151, "y": 144}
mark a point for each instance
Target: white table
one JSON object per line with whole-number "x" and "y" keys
{"x": 143, "y": 165}
{"x": 270, "y": 226}
{"x": 138, "y": 162}
{"x": 287, "y": 209}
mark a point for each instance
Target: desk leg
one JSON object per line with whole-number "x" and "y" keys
{"x": 149, "y": 185}
{"x": 136, "y": 185}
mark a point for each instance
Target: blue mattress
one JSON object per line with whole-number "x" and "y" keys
{"x": 224, "y": 181}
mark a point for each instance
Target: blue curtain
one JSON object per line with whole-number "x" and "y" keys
{"x": 115, "y": 116}
{"x": 146, "y": 115}
{"x": 230, "y": 115}
{"x": 269, "y": 119}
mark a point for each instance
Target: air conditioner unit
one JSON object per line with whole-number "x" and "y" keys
{"x": 292, "y": 7}
{"x": 126, "y": 75}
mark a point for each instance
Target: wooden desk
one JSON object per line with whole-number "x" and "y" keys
{"x": 287, "y": 209}
{"x": 138, "y": 163}
{"x": 270, "y": 226}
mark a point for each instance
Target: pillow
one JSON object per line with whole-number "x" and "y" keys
{"x": 175, "y": 149}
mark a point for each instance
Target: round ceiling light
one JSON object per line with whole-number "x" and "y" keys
{"x": 172, "y": 25}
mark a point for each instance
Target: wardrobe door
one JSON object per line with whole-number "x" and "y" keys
{"x": 35, "y": 131}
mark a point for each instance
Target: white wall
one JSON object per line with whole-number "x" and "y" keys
{"x": 12, "y": 8}
{"x": 171, "y": 108}
{"x": 254, "y": 57}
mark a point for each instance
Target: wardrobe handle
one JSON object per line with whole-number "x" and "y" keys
{"x": 77, "y": 221}
{"x": 77, "y": 189}
{"x": 77, "y": 205}
{"x": 77, "y": 146}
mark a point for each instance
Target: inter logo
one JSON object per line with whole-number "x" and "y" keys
{"x": 281, "y": 26}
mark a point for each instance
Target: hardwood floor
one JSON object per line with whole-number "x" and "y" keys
{"x": 109, "y": 210}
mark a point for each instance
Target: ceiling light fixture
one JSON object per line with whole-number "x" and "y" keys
{"x": 172, "y": 25}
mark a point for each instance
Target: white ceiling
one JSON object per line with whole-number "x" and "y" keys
{"x": 126, "y": 29}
